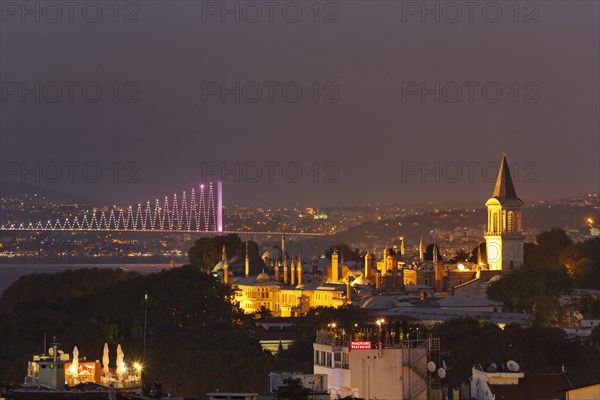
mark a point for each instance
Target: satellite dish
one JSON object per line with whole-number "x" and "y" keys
{"x": 444, "y": 364}
{"x": 442, "y": 373}
{"x": 51, "y": 351}
{"x": 431, "y": 366}
{"x": 512, "y": 366}
{"x": 492, "y": 367}
{"x": 61, "y": 352}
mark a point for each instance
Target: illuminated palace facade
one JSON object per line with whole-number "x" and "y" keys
{"x": 290, "y": 293}
{"x": 292, "y": 289}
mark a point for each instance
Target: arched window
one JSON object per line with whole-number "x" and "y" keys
{"x": 510, "y": 223}
{"x": 495, "y": 222}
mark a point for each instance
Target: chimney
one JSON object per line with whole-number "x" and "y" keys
{"x": 348, "y": 291}
{"x": 368, "y": 265}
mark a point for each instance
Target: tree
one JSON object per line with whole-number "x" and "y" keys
{"x": 549, "y": 246}
{"x": 429, "y": 253}
{"x": 264, "y": 312}
{"x": 475, "y": 253}
{"x": 596, "y": 336}
{"x": 533, "y": 289}
{"x": 461, "y": 255}
{"x": 292, "y": 389}
{"x": 206, "y": 252}
{"x": 136, "y": 331}
{"x": 582, "y": 260}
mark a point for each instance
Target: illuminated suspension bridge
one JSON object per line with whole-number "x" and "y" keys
{"x": 196, "y": 212}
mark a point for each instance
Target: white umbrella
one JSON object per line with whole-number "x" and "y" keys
{"x": 75, "y": 364}
{"x": 105, "y": 359}
{"x": 120, "y": 357}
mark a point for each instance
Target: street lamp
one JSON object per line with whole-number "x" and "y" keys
{"x": 145, "y": 323}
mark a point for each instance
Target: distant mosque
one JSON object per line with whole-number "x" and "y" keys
{"x": 295, "y": 287}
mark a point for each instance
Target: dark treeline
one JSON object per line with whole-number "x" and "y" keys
{"x": 197, "y": 341}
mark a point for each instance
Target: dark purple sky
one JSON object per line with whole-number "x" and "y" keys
{"x": 371, "y": 143}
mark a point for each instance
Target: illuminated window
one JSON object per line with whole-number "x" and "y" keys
{"x": 495, "y": 222}
{"x": 511, "y": 222}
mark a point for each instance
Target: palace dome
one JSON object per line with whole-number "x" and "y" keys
{"x": 263, "y": 277}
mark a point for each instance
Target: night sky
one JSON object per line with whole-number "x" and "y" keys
{"x": 363, "y": 116}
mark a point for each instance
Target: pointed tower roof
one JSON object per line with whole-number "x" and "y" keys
{"x": 504, "y": 189}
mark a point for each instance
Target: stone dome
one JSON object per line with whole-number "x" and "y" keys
{"x": 263, "y": 277}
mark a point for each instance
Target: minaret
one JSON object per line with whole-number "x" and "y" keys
{"x": 293, "y": 273}
{"x": 335, "y": 268}
{"x": 504, "y": 239}
{"x": 247, "y": 261}
{"x": 437, "y": 267}
{"x": 283, "y": 256}
{"x": 225, "y": 266}
{"x": 368, "y": 265}
{"x": 276, "y": 269}
{"x": 299, "y": 271}
{"x": 401, "y": 247}
{"x": 283, "y": 243}
{"x": 421, "y": 250}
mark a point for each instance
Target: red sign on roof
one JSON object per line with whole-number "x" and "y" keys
{"x": 360, "y": 345}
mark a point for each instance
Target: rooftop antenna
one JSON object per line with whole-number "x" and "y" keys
{"x": 442, "y": 373}
{"x": 431, "y": 366}
{"x": 512, "y": 366}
